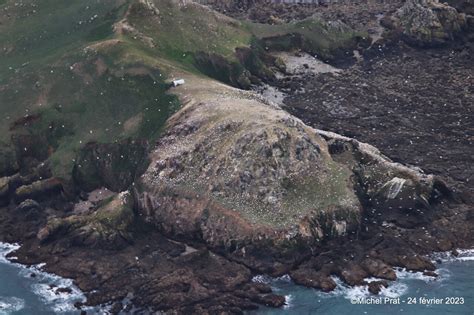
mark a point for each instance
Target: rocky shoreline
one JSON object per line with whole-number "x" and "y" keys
{"x": 183, "y": 225}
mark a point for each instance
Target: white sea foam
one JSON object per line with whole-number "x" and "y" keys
{"x": 267, "y": 279}
{"x": 5, "y": 249}
{"x": 288, "y": 300}
{"x": 395, "y": 289}
{"x": 262, "y": 279}
{"x": 44, "y": 284}
{"x": 463, "y": 255}
{"x": 10, "y": 304}
{"x": 403, "y": 274}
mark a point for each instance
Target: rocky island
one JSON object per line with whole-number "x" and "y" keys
{"x": 318, "y": 140}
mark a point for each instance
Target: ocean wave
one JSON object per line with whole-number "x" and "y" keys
{"x": 5, "y": 249}
{"x": 394, "y": 290}
{"x": 58, "y": 301}
{"x": 288, "y": 300}
{"x": 462, "y": 255}
{"x": 403, "y": 274}
{"x": 45, "y": 284}
{"x": 268, "y": 280}
{"x": 10, "y": 304}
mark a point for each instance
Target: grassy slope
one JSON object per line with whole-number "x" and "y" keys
{"x": 115, "y": 89}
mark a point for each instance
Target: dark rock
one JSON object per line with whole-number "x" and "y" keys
{"x": 116, "y": 308}
{"x": 4, "y": 191}
{"x": 430, "y": 273}
{"x": 354, "y": 275}
{"x": 28, "y": 205}
{"x": 41, "y": 189}
{"x": 375, "y": 287}
{"x": 379, "y": 269}
{"x": 78, "y": 304}
{"x": 272, "y": 300}
{"x": 313, "y": 279}
{"x": 416, "y": 263}
{"x": 63, "y": 290}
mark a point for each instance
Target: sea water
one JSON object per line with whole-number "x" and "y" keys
{"x": 21, "y": 294}
{"x": 416, "y": 294}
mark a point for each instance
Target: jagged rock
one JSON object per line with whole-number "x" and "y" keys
{"x": 313, "y": 279}
{"x": 110, "y": 226}
{"x": 354, "y": 275}
{"x": 430, "y": 274}
{"x": 272, "y": 300}
{"x": 375, "y": 287}
{"x": 379, "y": 269}
{"x": 428, "y": 22}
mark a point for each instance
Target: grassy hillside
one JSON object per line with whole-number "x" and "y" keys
{"x": 78, "y": 71}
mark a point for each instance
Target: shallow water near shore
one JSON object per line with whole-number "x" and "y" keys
{"x": 456, "y": 280}
{"x": 22, "y": 294}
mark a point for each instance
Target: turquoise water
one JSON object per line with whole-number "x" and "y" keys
{"x": 456, "y": 281}
{"x": 20, "y": 294}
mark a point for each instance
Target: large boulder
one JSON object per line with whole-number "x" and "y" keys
{"x": 428, "y": 22}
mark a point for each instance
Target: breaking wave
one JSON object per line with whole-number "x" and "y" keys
{"x": 44, "y": 285}
{"x": 10, "y": 304}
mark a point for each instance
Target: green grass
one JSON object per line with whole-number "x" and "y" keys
{"x": 46, "y": 69}
{"x": 40, "y": 33}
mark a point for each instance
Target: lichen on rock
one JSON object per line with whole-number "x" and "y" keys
{"x": 428, "y": 22}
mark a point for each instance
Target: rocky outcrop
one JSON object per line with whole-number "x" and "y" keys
{"x": 248, "y": 173}
{"x": 40, "y": 189}
{"x": 375, "y": 287}
{"x": 428, "y": 22}
{"x": 109, "y": 226}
